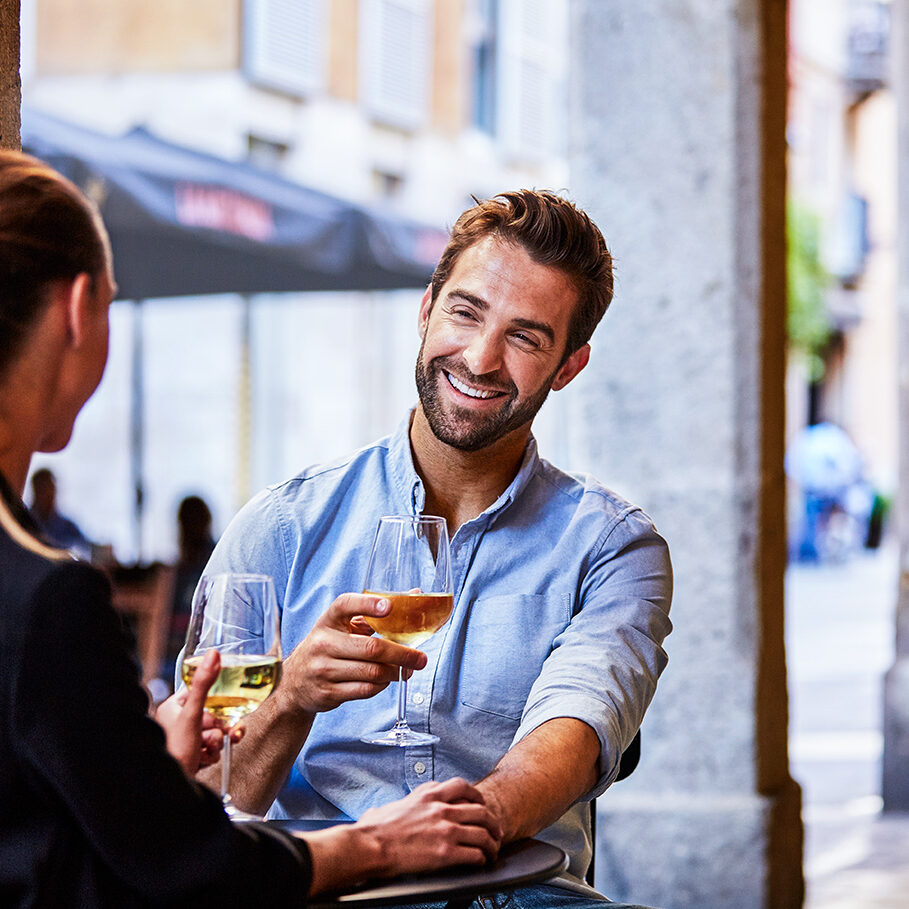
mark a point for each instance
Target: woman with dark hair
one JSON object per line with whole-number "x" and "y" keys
{"x": 94, "y": 811}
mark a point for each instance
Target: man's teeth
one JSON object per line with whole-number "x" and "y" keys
{"x": 467, "y": 390}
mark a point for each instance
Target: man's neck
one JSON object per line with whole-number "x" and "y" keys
{"x": 460, "y": 485}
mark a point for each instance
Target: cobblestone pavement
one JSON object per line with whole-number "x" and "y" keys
{"x": 839, "y": 637}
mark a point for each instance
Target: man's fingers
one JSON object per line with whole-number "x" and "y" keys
{"x": 341, "y": 659}
{"x": 378, "y": 650}
{"x": 349, "y": 605}
{"x": 480, "y": 839}
{"x": 455, "y": 789}
{"x": 359, "y": 625}
{"x": 328, "y": 645}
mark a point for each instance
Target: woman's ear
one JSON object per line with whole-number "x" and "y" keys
{"x": 79, "y": 302}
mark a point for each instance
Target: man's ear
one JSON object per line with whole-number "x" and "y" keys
{"x": 571, "y": 367}
{"x": 78, "y": 300}
{"x": 425, "y": 309}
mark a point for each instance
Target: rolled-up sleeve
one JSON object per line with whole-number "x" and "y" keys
{"x": 603, "y": 668}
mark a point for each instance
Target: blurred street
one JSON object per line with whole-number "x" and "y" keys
{"x": 839, "y": 637}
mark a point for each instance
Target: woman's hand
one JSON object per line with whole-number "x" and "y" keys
{"x": 437, "y": 825}
{"x": 194, "y": 736}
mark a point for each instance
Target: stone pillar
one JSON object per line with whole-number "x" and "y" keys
{"x": 10, "y": 87}
{"x": 895, "y": 769}
{"x": 677, "y": 149}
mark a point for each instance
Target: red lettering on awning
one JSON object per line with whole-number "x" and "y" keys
{"x": 224, "y": 209}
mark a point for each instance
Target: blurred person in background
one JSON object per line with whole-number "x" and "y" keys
{"x": 94, "y": 811}
{"x": 837, "y": 499}
{"x": 56, "y": 528}
{"x": 196, "y": 542}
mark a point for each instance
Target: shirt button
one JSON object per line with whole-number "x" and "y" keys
{"x": 420, "y": 767}
{"x": 418, "y": 698}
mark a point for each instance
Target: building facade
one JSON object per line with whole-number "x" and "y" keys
{"x": 414, "y": 106}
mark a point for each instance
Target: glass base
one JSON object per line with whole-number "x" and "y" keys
{"x": 402, "y": 736}
{"x": 237, "y": 815}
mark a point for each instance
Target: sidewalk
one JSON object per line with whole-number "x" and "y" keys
{"x": 839, "y": 639}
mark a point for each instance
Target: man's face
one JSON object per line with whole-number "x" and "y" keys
{"x": 493, "y": 344}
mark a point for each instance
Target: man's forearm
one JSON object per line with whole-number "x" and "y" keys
{"x": 539, "y": 779}
{"x": 261, "y": 762}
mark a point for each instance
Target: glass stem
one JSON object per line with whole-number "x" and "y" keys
{"x": 402, "y": 700}
{"x": 225, "y": 769}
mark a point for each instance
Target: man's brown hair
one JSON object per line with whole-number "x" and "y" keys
{"x": 555, "y": 233}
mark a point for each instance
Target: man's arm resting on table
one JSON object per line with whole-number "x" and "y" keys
{"x": 542, "y": 776}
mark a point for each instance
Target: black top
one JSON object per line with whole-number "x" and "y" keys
{"x": 93, "y": 810}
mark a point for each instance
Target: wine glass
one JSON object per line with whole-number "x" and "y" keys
{"x": 410, "y": 566}
{"x": 237, "y": 615}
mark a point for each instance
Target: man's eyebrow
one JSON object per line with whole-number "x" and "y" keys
{"x": 530, "y": 324}
{"x": 468, "y": 297}
{"x": 543, "y": 327}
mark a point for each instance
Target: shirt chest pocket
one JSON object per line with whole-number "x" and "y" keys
{"x": 507, "y": 641}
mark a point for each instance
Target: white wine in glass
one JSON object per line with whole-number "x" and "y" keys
{"x": 237, "y": 615}
{"x": 410, "y": 566}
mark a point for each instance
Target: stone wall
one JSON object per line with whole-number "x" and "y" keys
{"x": 677, "y": 149}
{"x": 895, "y": 782}
{"x": 10, "y": 93}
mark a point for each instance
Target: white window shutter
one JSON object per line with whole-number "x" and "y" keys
{"x": 395, "y": 56}
{"x": 284, "y": 43}
{"x": 531, "y": 66}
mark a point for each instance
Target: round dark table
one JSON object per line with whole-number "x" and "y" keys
{"x": 519, "y": 864}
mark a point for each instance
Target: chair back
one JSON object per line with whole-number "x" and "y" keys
{"x": 629, "y": 760}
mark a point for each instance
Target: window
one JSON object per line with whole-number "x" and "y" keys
{"x": 519, "y": 51}
{"x": 283, "y": 44}
{"x": 531, "y": 58}
{"x": 387, "y": 185}
{"x": 266, "y": 154}
{"x": 482, "y": 29}
{"x": 395, "y": 60}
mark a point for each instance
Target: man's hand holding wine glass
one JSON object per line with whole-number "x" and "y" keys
{"x": 342, "y": 660}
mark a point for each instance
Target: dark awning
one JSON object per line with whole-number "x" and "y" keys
{"x": 182, "y": 222}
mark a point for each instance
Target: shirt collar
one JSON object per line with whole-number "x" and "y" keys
{"x": 411, "y": 486}
{"x": 400, "y": 457}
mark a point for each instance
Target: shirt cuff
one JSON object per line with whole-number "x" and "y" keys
{"x": 590, "y": 710}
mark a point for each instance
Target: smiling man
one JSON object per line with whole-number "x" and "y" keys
{"x": 541, "y": 677}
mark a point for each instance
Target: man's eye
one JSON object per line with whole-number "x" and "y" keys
{"x": 526, "y": 340}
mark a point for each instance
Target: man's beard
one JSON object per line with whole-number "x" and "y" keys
{"x": 463, "y": 429}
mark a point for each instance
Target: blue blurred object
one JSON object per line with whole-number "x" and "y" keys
{"x": 837, "y": 499}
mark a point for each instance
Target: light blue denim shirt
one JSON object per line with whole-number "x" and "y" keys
{"x": 562, "y": 594}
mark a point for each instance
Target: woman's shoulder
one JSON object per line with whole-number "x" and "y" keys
{"x": 29, "y": 569}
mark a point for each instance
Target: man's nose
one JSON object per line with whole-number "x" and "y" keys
{"x": 484, "y": 354}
